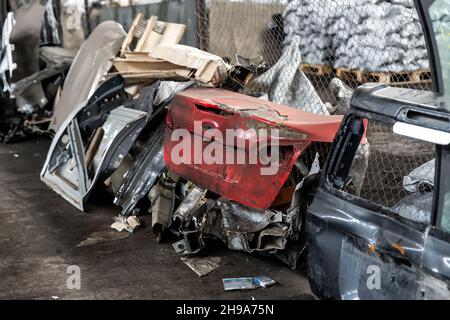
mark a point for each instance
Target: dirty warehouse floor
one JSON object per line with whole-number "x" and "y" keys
{"x": 40, "y": 231}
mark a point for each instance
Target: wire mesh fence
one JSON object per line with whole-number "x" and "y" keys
{"x": 355, "y": 40}
{"x": 400, "y": 173}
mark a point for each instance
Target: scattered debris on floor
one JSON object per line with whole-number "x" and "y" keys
{"x": 202, "y": 265}
{"x": 103, "y": 236}
{"x": 129, "y": 224}
{"x": 263, "y": 281}
{"x": 238, "y": 284}
{"x": 247, "y": 283}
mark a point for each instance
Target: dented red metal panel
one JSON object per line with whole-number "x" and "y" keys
{"x": 221, "y": 110}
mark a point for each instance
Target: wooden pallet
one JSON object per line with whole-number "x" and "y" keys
{"x": 421, "y": 76}
{"x": 317, "y": 69}
{"x": 350, "y": 75}
{"x": 410, "y": 77}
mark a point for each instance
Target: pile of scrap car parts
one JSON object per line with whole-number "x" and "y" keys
{"x": 92, "y": 141}
{"x": 114, "y": 124}
{"x": 231, "y": 201}
{"x": 32, "y": 70}
{"x": 99, "y": 117}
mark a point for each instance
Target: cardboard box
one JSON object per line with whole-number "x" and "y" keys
{"x": 209, "y": 67}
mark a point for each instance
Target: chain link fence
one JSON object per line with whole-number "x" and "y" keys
{"x": 400, "y": 173}
{"x": 355, "y": 40}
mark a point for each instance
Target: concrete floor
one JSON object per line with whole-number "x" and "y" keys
{"x": 39, "y": 233}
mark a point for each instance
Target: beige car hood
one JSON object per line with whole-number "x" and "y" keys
{"x": 89, "y": 67}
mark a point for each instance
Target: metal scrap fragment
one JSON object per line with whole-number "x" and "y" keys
{"x": 202, "y": 265}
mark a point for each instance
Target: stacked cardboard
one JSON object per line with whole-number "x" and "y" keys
{"x": 151, "y": 51}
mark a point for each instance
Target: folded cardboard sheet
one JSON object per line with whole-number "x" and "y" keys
{"x": 151, "y": 50}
